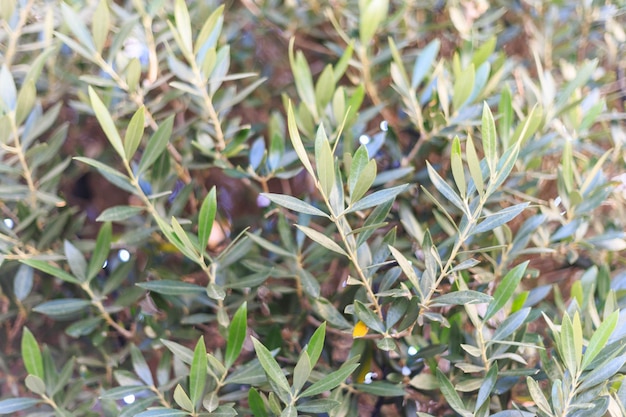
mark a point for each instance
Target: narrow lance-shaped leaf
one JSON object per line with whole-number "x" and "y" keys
{"x": 333, "y": 379}
{"x": 198, "y": 372}
{"x": 453, "y": 399}
{"x": 599, "y": 338}
{"x": 489, "y": 139}
{"x": 106, "y": 122}
{"x": 324, "y": 161}
{"x": 156, "y": 145}
{"x": 100, "y": 25}
{"x": 206, "y": 218}
{"x": 294, "y": 204}
{"x": 296, "y": 141}
{"x": 101, "y": 251}
{"x": 567, "y": 345}
{"x": 505, "y": 290}
{"x": 377, "y": 198}
{"x": 76, "y": 260}
{"x": 458, "y": 172}
{"x": 322, "y": 239}
{"x": 269, "y": 364}
{"x": 183, "y": 25}
{"x": 473, "y": 164}
{"x": 140, "y": 365}
{"x": 134, "y": 133}
{"x": 316, "y": 344}
{"x": 445, "y": 189}
{"x": 236, "y": 335}
{"x": 368, "y": 317}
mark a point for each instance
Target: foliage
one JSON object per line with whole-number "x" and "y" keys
{"x": 429, "y": 219}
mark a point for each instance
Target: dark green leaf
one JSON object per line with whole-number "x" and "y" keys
{"x": 271, "y": 367}
{"x": 256, "y": 403}
{"x": 162, "y": 412}
{"x": 487, "y": 387}
{"x": 451, "y": 395}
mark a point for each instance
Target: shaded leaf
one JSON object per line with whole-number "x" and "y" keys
{"x": 505, "y": 290}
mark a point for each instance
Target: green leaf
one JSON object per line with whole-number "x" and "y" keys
{"x": 424, "y": 62}
{"x": 294, "y": 204}
{"x": 78, "y": 28}
{"x": 362, "y": 174}
{"x": 156, "y": 144}
{"x": 368, "y": 317}
{"x": 162, "y": 412}
{"x": 332, "y": 380}
{"x": 25, "y": 101}
{"x": 303, "y": 79}
{"x": 309, "y": 282}
{"x": 324, "y": 161}
{"x": 486, "y": 387}
{"x": 461, "y": 298}
{"x": 12, "y": 405}
{"x": 183, "y": 25}
{"x": 301, "y": 372}
{"x": 316, "y": 344}
{"x": 296, "y": 141}
{"x": 100, "y": 25}
{"x": 451, "y": 395}
{"x": 324, "y": 88}
{"x": 489, "y": 139}
{"x": 236, "y": 335}
{"x": 463, "y": 86}
{"x": 376, "y": 198}
{"x": 322, "y": 239}
{"x": 206, "y": 218}
{"x": 264, "y": 243}
{"x": 106, "y": 122}
{"x": 100, "y": 252}
{"x": 505, "y": 121}
{"x": 183, "y": 240}
{"x": 23, "y": 282}
{"x": 169, "y": 287}
{"x": 256, "y": 403}
{"x": 599, "y": 339}
{"x": 182, "y": 399}
{"x": 499, "y": 218}
{"x": 602, "y": 374}
{"x": 458, "y": 172}
{"x": 322, "y": 405}
{"x": 119, "y": 213}
{"x": 31, "y": 355}
{"x": 49, "y": 269}
{"x": 372, "y": 14}
{"x": 110, "y": 174}
{"x": 62, "y": 307}
{"x": 35, "y": 384}
{"x": 140, "y": 366}
{"x": 134, "y": 132}
{"x": 76, "y": 260}
{"x": 537, "y": 395}
{"x": 510, "y": 325}
{"x": 119, "y": 393}
{"x": 271, "y": 367}
{"x": 382, "y": 389}
{"x": 442, "y": 186}
{"x": 505, "y": 290}
{"x": 407, "y": 268}
{"x": 198, "y": 372}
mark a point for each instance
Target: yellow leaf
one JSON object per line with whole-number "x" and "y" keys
{"x": 360, "y": 330}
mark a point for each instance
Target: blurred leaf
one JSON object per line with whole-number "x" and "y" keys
{"x": 296, "y": 141}
{"x": 489, "y": 139}
{"x": 23, "y": 282}
{"x": 463, "y": 86}
{"x": 140, "y": 366}
{"x": 119, "y": 213}
{"x": 458, "y": 172}
{"x": 236, "y": 335}
{"x": 324, "y": 88}
{"x": 382, "y": 389}
{"x": 134, "y": 132}
{"x": 49, "y": 269}
{"x": 156, "y": 144}
{"x": 309, "y": 282}
{"x": 31, "y": 355}
{"x": 567, "y": 345}
{"x": 372, "y": 14}
{"x": 294, "y": 204}
{"x": 100, "y": 252}
{"x": 169, "y": 287}
{"x": 198, "y": 372}
{"x": 332, "y": 380}
{"x": 106, "y": 122}
{"x": 323, "y": 405}
{"x": 301, "y": 372}
{"x": 407, "y": 268}
{"x": 303, "y": 79}
{"x": 183, "y": 25}
{"x": 505, "y": 290}
{"x": 362, "y": 174}
{"x": 505, "y": 121}
{"x": 62, "y": 307}
{"x": 486, "y": 387}
{"x": 13, "y": 405}
{"x": 100, "y": 25}
{"x": 182, "y": 399}
{"x": 510, "y": 325}
{"x": 76, "y": 261}
{"x": 78, "y": 28}
{"x": 25, "y": 101}
{"x": 602, "y": 374}
{"x": 35, "y": 384}
{"x": 424, "y": 62}
{"x": 324, "y": 161}
{"x": 322, "y": 239}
